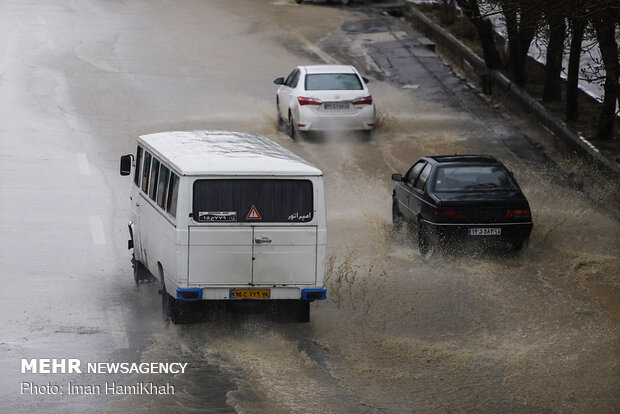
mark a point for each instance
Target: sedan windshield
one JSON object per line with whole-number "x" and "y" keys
{"x": 467, "y": 178}
{"x": 333, "y": 82}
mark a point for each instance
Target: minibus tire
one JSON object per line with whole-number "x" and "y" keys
{"x": 140, "y": 272}
{"x": 172, "y": 309}
{"x": 303, "y": 311}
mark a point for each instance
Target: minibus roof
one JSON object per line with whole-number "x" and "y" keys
{"x": 225, "y": 153}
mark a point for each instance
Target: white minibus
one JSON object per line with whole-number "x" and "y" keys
{"x": 226, "y": 216}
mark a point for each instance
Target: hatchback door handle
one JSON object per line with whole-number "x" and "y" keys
{"x": 263, "y": 240}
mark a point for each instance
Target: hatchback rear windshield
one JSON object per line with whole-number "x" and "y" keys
{"x": 333, "y": 82}
{"x": 466, "y": 178}
{"x": 253, "y": 200}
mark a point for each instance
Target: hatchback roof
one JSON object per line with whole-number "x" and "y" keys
{"x": 486, "y": 159}
{"x": 329, "y": 69}
{"x": 225, "y": 153}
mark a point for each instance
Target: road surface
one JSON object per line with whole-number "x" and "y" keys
{"x": 79, "y": 80}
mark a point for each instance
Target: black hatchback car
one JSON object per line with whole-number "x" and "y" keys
{"x": 461, "y": 197}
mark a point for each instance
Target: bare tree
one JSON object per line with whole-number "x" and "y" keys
{"x": 522, "y": 19}
{"x": 605, "y": 17}
{"x": 577, "y": 23}
{"x": 471, "y": 10}
{"x": 555, "y": 18}
{"x": 447, "y": 11}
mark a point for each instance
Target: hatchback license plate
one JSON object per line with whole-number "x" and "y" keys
{"x": 336, "y": 105}
{"x": 484, "y": 232}
{"x": 249, "y": 294}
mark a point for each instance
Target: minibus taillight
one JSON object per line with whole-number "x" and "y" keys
{"x": 192, "y": 294}
{"x": 315, "y": 295}
{"x": 449, "y": 213}
{"x": 307, "y": 101}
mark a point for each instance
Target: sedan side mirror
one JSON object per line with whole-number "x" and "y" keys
{"x": 126, "y": 164}
{"x": 279, "y": 81}
{"x": 397, "y": 177}
{"x": 365, "y": 80}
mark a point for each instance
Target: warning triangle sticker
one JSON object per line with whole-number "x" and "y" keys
{"x": 253, "y": 214}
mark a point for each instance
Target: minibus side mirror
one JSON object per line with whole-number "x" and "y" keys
{"x": 279, "y": 81}
{"x": 365, "y": 80}
{"x": 397, "y": 177}
{"x": 126, "y": 164}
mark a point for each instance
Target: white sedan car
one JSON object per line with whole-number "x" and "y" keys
{"x": 324, "y": 98}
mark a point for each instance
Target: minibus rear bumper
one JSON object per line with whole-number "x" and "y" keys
{"x": 258, "y": 292}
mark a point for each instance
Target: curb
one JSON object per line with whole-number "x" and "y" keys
{"x": 497, "y": 85}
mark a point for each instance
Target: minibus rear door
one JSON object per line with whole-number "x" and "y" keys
{"x": 284, "y": 255}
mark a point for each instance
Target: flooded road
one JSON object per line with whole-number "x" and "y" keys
{"x": 471, "y": 331}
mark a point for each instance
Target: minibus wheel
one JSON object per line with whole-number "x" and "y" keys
{"x": 303, "y": 311}
{"x": 140, "y": 272}
{"x": 172, "y": 309}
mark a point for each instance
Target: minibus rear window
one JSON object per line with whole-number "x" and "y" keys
{"x": 253, "y": 200}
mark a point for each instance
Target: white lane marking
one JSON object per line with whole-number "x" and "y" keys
{"x": 117, "y": 328}
{"x": 96, "y": 228}
{"x": 314, "y": 48}
{"x": 83, "y": 164}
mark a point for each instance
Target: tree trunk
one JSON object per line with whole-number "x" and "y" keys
{"x": 447, "y": 12}
{"x": 520, "y": 35}
{"x": 552, "y": 90}
{"x": 485, "y": 33}
{"x": 517, "y": 65}
{"x": 572, "y": 82}
{"x": 605, "y": 25}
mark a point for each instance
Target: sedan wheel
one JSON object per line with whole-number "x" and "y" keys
{"x": 280, "y": 120}
{"x": 293, "y": 132}
{"x": 424, "y": 240}
{"x": 397, "y": 219}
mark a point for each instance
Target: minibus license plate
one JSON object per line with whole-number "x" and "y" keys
{"x": 249, "y": 294}
{"x": 484, "y": 232}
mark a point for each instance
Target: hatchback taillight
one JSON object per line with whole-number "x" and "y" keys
{"x": 518, "y": 213}
{"x": 307, "y": 101}
{"x": 366, "y": 100}
{"x": 449, "y": 213}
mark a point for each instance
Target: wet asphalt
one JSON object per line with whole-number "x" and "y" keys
{"x": 474, "y": 331}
